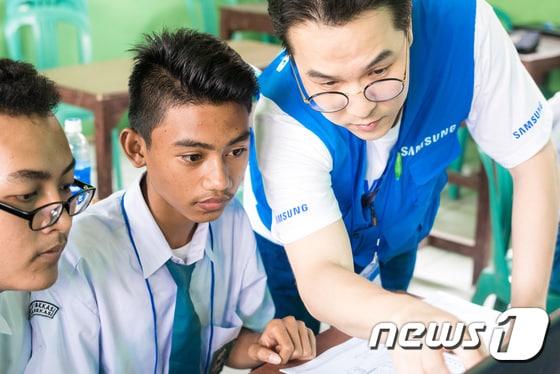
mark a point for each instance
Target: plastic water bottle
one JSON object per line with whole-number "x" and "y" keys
{"x": 80, "y": 149}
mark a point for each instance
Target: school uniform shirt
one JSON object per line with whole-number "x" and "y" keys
{"x": 105, "y": 321}
{"x": 15, "y": 332}
{"x": 509, "y": 119}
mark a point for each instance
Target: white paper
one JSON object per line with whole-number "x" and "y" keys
{"x": 465, "y": 311}
{"x": 355, "y": 357}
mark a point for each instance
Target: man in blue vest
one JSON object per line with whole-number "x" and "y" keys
{"x": 353, "y": 133}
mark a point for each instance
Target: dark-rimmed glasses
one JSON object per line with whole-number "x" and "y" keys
{"x": 49, "y": 214}
{"x": 334, "y": 101}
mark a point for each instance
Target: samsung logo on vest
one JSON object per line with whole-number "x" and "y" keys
{"x": 429, "y": 140}
{"x": 291, "y": 213}
{"x": 530, "y": 123}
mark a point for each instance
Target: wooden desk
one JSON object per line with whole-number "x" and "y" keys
{"x": 244, "y": 17}
{"x": 325, "y": 340}
{"x": 102, "y": 87}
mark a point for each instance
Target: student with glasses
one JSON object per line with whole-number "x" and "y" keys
{"x": 354, "y": 130}
{"x": 38, "y": 195}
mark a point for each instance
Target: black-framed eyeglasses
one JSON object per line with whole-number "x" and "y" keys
{"x": 49, "y": 214}
{"x": 334, "y": 101}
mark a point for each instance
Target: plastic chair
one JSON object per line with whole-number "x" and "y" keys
{"x": 203, "y": 15}
{"x": 43, "y": 17}
{"x": 21, "y": 6}
{"x": 457, "y": 165}
{"x": 43, "y": 23}
{"x": 496, "y": 280}
{"x": 504, "y": 18}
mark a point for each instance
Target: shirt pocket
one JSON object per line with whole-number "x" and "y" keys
{"x": 224, "y": 335}
{"x": 224, "y": 331}
{"x": 427, "y": 197}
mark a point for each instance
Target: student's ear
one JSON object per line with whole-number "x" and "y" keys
{"x": 410, "y": 35}
{"x": 134, "y": 146}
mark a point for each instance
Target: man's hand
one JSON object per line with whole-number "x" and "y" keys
{"x": 428, "y": 360}
{"x": 283, "y": 340}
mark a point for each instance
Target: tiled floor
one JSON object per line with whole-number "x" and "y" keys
{"x": 435, "y": 269}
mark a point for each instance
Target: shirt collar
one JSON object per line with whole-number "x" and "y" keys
{"x": 153, "y": 249}
{"x": 197, "y": 247}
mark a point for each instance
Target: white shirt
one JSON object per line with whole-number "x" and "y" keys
{"x": 15, "y": 332}
{"x": 296, "y": 165}
{"x": 105, "y": 322}
{"x": 554, "y": 103}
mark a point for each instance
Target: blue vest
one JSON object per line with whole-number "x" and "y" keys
{"x": 439, "y": 99}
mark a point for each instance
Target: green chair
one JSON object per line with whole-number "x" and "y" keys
{"x": 44, "y": 18}
{"x": 203, "y": 15}
{"x": 43, "y": 23}
{"x": 14, "y": 7}
{"x": 457, "y": 165}
{"x": 495, "y": 280}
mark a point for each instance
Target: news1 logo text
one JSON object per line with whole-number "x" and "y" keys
{"x": 527, "y": 329}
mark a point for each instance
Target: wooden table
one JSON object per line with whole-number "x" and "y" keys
{"x": 244, "y": 17}
{"x": 102, "y": 87}
{"x": 544, "y": 60}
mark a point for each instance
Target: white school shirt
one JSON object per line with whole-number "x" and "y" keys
{"x": 104, "y": 322}
{"x": 296, "y": 165}
{"x": 15, "y": 332}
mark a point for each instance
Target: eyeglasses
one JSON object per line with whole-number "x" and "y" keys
{"x": 333, "y": 101}
{"x": 48, "y": 215}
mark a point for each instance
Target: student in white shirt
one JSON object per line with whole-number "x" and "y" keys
{"x": 190, "y": 99}
{"x": 36, "y": 179}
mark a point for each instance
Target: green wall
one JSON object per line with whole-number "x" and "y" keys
{"x": 524, "y": 12}
{"x": 527, "y": 12}
{"x": 117, "y": 24}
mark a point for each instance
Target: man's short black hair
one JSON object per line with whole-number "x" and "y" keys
{"x": 184, "y": 67}
{"x": 287, "y": 13}
{"x": 23, "y": 92}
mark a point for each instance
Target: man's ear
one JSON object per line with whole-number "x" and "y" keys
{"x": 410, "y": 35}
{"x": 134, "y": 146}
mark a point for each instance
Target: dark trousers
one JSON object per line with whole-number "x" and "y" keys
{"x": 395, "y": 276}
